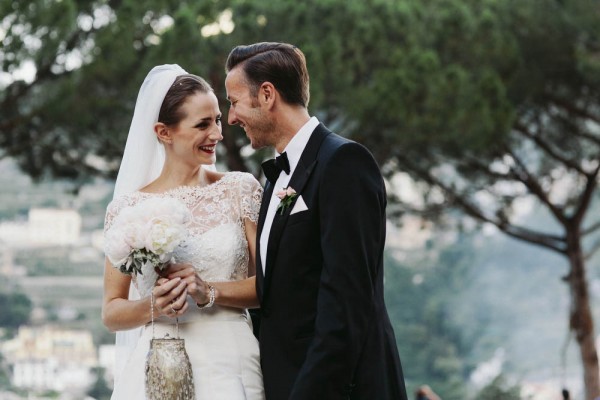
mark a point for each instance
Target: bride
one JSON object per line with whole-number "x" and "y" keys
{"x": 170, "y": 153}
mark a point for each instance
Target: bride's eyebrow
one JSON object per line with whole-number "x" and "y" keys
{"x": 206, "y": 119}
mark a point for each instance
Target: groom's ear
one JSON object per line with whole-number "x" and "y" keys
{"x": 163, "y": 133}
{"x": 267, "y": 94}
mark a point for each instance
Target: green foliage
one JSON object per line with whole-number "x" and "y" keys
{"x": 420, "y": 83}
{"x": 4, "y": 374}
{"x": 16, "y": 308}
{"x": 100, "y": 390}
{"x": 440, "y": 339}
{"x": 498, "y": 389}
{"x": 71, "y": 121}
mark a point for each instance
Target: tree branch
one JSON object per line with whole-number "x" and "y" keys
{"x": 582, "y": 113}
{"x": 591, "y": 138}
{"x": 528, "y": 180}
{"x": 591, "y": 229}
{"x": 476, "y": 163}
{"x": 595, "y": 247}
{"x": 586, "y": 196}
{"x": 572, "y": 109}
{"x": 544, "y": 146}
{"x": 552, "y": 242}
{"x": 44, "y": 72}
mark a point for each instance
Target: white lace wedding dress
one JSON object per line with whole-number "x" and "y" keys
{"x": 219, "y": 340}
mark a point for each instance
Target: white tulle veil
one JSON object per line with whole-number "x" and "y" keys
{"x": 144, "y": 155}
{"x": 142, "y": 162}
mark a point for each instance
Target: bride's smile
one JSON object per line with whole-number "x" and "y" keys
{"x": 208, "y": 149}
{"x": 200, "y": 130}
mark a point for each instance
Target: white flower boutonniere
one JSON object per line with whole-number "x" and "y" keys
{"x": 287, "y": 195}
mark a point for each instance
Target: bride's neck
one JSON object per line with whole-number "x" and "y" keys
{"x": 171, "y": 178}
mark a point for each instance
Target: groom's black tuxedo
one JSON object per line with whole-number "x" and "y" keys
{"x": 324, "y": 330}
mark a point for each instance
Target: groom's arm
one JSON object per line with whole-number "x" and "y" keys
{"x": 352, "y": 219}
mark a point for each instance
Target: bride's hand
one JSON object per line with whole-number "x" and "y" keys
{"x": 196, "y": 287}
{"x": 170, "y": 297}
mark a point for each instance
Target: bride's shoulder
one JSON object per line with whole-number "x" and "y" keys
{"x": 234, "y": 178}
{"x": 126, "y": 200}
{"x": 117, "y": 205}
{"x": 245, "y": 180}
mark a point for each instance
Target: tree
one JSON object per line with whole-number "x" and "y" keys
{"x": 435, "y": 346}
{"x": 99, "y": 390}
{"x": 70, "y": 119}
{"x": 485, "y": 104}
{"x": 491, "y": 124}
{"x": 498, "y": 389}
{"x": 4, "y": 373}
{"x": 16, "y": 309}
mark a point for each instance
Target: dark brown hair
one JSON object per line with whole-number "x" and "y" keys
{"x": 184, "y": 86}
{"x": 281, "y": 64}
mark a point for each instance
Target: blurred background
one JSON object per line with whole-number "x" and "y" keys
{"x": 484, "y": 116}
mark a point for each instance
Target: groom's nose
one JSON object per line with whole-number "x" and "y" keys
{"x": 231, "y": 117}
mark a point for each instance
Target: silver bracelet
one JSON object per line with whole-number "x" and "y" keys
{"x": 211, "y": 298}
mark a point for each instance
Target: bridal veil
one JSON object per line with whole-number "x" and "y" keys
{"x": 142, "y": 162}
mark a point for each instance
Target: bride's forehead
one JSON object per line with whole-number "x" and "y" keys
{"x": 201, "y": 101}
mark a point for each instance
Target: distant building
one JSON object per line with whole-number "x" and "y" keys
{"x": 51, "y": 358}
{"x": 7, "y": 262}
{"x": 54, "y": 227}
{"x": 44, "y": 227}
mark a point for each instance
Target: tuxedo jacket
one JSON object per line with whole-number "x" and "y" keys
{"x": 324, "y": 328}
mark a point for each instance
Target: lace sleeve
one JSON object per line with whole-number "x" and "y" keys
{"x": 114, "y": 208}
{"x": 250, "y": 197}
{"x": 111, "y": 213}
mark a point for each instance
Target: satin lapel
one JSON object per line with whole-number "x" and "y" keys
{"x": 261, "y": 223}
{"x": 301, "y": 175}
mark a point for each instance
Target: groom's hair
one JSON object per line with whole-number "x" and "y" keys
{"x": 184, "y": 86}
{"x": 281, "y": 64}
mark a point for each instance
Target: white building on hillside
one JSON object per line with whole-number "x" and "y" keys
{"x": 44, "y": 227}
{"x": 51, "y": 358}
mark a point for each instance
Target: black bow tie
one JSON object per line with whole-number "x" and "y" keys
{"x": 273, "y": 167}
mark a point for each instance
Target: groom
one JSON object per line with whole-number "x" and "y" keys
{"x": 324, "y": 331}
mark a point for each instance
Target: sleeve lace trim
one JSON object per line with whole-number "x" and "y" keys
{"x": 251, "y": 195}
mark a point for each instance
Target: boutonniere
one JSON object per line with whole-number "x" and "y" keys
{"x": 287, "y": 195}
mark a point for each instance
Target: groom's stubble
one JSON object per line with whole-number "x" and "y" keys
{"x": 260, "y": 128}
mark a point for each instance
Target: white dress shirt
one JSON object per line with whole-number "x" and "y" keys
{"x": 294, "y": 150}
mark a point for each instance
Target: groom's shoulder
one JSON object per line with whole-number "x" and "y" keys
{"x": 335, "y": 144}
{"x": 332, "y": 141}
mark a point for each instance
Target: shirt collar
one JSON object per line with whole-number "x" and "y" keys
{"x": 296, "y": 146}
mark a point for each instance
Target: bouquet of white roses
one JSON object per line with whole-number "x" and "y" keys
{"x": 147, "y": 232}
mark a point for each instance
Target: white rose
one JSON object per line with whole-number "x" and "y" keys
{"x": 156, "y": 225}
{"x": 134, "y": 234}
{"x": 163, "y": 236}
{"x": 115, "y": 248}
